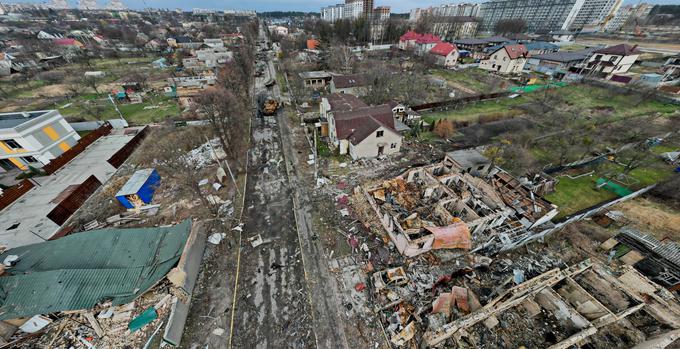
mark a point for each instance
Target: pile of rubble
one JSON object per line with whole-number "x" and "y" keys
{"x": 444, "y": 206}
{"x": 430, "y": 264}
{"x": 132, "y": 325}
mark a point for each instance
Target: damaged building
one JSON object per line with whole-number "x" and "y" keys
{"x": 563, "y": 308}
{"x": 461, "y": 203}
{"x": 658, "y": 260}
{"x": 53, "y": 297}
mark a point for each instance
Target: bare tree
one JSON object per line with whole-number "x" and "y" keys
{"x": 342, "y": 58}
{"x": 444, "y": 128}
{"x": 425, "y": 24}
{"x": 169, "y": 154}
{"x": 510, "y": 26}
{"x": 91, "y": 82}
{"x": 228, "y": 116}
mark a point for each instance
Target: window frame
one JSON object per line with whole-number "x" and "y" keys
{"x": 7, "y": 143}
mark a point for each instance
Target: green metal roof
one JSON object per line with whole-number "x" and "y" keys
{"x": 80, "y": 270}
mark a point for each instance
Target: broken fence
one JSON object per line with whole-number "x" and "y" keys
{"x": 67, "y": 207}
{"x": 14, "y": 193}
{"x": 580, "y": 215}
{"x": 117, "y": 159}
{"x": 82, "y": 144}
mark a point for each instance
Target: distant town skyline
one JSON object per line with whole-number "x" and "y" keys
{"x": 397, "y": 6}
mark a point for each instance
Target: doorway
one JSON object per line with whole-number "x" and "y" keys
{"x": 381, "y": 150}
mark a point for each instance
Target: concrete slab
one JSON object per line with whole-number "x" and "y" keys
{"x": 31, "y": 210}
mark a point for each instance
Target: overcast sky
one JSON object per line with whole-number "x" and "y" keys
{"x": 398, "y": 6}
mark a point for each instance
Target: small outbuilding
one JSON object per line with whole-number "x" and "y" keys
{"x": 139, "y": 189}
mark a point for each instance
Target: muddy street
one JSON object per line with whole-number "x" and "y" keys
{"x": 271, "y": 307}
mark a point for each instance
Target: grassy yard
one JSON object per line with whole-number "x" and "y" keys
{"x": 469, "y": 78}
{"x": 281, "y": 81}
{"x": 472, "y": 112}
{"x": 587, "y": 100}
{"x": 473, "y": 79}
{"x": 573, "y": 195}
{"x": 93, "y": 107}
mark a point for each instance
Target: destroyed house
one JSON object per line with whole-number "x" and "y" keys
{"x": 81, "y": 270}
{"x": 565, "y": 309}
{"x": 427, "y": 206}
{"x": 658, "y": 260}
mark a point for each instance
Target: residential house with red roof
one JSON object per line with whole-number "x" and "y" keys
{"x": 612, "y": 60}
{"x": 408, "y": 40}
{"x": 507, "y": 59}
{"x": 421, "y": 43}
{"x": 360, "y": 130}
{"x": 425, "y": 43}
{"x": 445, "y": 54}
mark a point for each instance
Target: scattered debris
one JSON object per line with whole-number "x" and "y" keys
{"x": 216, "y": 238}
{"x": 256, "y": 240}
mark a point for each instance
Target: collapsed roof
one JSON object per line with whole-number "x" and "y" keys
{"x": 81, "y": 270}
{"x": 445, "y": 202}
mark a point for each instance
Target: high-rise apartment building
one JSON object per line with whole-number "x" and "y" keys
{"x": 381, "y": 13}
{"x": 353, "y": 9}
{"x": 549, "y": 14}
{"x": 333, "y": 13}
{"x": 619, "y": 19}
{"x": 452, "y": 10}
{"x": 116, "y": 5}
{"x": 594, "y": 13}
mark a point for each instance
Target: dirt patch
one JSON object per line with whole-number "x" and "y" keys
{"x": 58, "y": 90}
{"x": 652, "y": 217}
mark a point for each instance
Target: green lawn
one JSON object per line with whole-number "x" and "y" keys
{"x": 472, "y": 112}
{"x": 573, "y": 195}
{"x": 81, "y": 108}
{"x": 471, "y": 78}
{"x": 281, "y": 81}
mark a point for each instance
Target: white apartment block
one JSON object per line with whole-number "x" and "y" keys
{"x": 353, "y": 9}
{"x": 333, "y": 13}
{"x": 452, "y": 10}
{"x": 549, "y": 14}
{"x": 593, "y": 13}
{"x": 619, "y": 19}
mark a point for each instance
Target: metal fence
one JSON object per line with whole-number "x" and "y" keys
{"x": 67, "y": 207}
{"x": 14, "y": 193}
{"x": 82, "y": 144}
{"x": 124, "y": 153}
{"x": 458, "y": 101}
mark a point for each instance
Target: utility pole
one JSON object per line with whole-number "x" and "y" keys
{"x": 118, "y": 110}
{"x": 316, "y": 158}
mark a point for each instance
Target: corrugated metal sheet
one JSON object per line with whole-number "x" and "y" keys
{"x": 80, "y": 270}
{"x": 69, "y": 205}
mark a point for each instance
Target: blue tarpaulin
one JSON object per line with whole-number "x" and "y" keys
{"x": 142, "y": 185}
